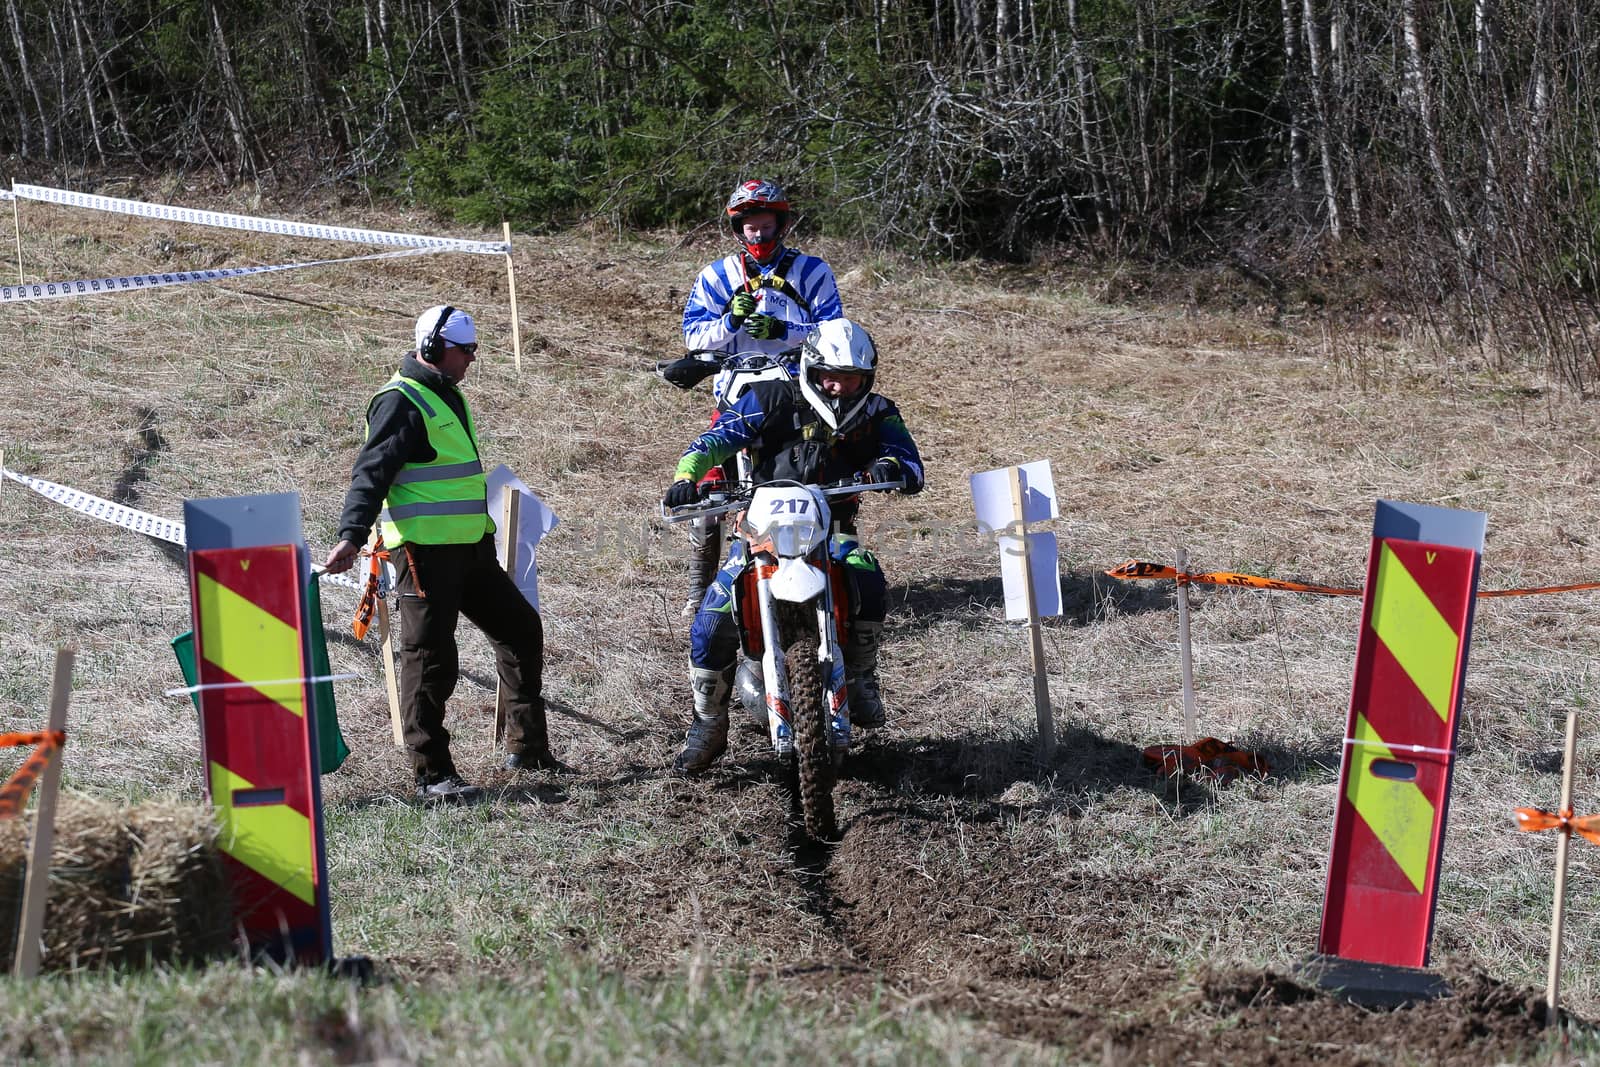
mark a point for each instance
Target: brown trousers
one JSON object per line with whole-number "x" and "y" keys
{"x": 436, "y": 585}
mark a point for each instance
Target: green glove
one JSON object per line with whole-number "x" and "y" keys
{"x": 741, "y": 307}
{"x": 767, "y": 327}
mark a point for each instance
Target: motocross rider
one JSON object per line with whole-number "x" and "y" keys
{"x": 824, "y": 424}
{"x": 750, "y": 308}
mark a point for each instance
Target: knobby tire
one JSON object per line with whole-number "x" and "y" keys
{"x": 808, "y": 704}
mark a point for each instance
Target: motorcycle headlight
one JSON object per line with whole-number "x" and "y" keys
{"x": 796, "y": 539}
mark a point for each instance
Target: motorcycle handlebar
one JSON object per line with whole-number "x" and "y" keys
{"x": 739, "y": 495}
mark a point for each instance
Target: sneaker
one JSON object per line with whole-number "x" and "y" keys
{"x": 447, "y": 789}
{"x": 535, "y": 760}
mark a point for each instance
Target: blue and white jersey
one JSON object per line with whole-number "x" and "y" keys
{"x": 796, "y": 288}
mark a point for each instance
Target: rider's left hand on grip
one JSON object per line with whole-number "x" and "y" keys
{"x": 683, "y": 491}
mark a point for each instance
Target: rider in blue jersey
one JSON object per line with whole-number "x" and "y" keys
{"x": 824, "y": 424}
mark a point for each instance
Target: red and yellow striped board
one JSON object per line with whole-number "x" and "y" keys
{"x": 1394, "y": 784}
{"x": 256, "y": 741}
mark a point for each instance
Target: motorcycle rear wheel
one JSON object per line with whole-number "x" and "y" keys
{"x": 808, "y": 704}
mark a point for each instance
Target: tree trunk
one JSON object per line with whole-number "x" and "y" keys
{"x": 19, "y": 107}
{"x": 25, "y": 64}
{"x": 1422, "y": 101}
{"x": 85, "y": 80}
{"x": 1330, "y": 185}
{"x": 1295, "y": 133}
{"x": 234, "y": 106}
{"x": 1538, "y": 103}
{"x": 1093, "y": 160}
{"x": 1343, "y": 105}
{"x": 103, "y": 69}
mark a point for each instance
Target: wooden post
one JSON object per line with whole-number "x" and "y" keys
{"x": 511, "y": 289}
{"x": 511, "y": 524}
{"x": 1041, "y": 683}
{"x": 1191, "y": 731}
{"x": 30, "y": 933}
{"x": 16, "y": 223}
{"x": 386, "y": 649}
{"x": 1557, "y": 914}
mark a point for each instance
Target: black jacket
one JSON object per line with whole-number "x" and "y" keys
{"x": 396, "y": 435}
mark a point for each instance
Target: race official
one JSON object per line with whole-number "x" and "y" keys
{"x": 421, "y": 476}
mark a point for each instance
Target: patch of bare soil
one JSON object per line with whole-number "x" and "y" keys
{"x": 964, "y": 898}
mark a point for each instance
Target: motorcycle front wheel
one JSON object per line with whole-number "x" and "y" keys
{"x": 808, "y": 708}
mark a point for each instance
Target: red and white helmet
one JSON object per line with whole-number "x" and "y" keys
{"x": 758, "y": 194}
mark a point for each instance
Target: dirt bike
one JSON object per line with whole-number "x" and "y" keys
{"x": 794, "y": 591}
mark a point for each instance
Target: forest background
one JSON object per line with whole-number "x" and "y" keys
{"x": 1439, "y": 157}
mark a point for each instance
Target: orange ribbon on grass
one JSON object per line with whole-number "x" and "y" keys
{"x": 14, "y": 794}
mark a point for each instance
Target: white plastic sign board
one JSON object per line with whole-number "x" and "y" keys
{"x": 1042, "y": 554}
{"x": 991, "y": 496}
{"x": 535, "y": 519}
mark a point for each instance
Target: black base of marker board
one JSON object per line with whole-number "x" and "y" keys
{"x": 1373, "y": 985}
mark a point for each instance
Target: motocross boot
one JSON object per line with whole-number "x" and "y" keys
{"x": 861, "y": 674}
{"x": 708, "y": 735}
{"x": 705, "y": 553}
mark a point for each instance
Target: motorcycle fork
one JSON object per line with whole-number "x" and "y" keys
{"x": 838, "y": 692}
{"x": 780, "y": 725}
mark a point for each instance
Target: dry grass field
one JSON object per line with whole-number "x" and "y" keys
{"x": 978, "y": 907}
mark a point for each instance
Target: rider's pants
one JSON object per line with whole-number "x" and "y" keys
{"x": 713, "y": 640}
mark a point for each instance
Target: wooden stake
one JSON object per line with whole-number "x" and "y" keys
{"x": 1557, "y": 914}
{"x": 1041, "y": 683}
{"x": 512, "y": 523}
{"x": 30, "y": 934}
{"x": 16, "y": 223}
{"x": 1191, "y": 731}
{"x": 390, "y": 671}
{"x": 511, "y": 288}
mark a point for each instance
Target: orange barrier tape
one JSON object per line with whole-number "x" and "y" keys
{"x": 14, "y": 794}
{"x": 369, "y": 595}
{"x": 18, "y": 740}
{"x": 1137, "y": 569}
{"x": 1533, "y": 820}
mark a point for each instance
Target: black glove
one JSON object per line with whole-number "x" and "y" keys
{"x": 682, "y": 492}
{"x": 741, "y": 307}
{"x": 884, "y": 470}
{"x": 687, "y": 372}
{"x": 766, "y": 327}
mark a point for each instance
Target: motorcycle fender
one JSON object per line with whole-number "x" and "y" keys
{"x": 797, "y": 581}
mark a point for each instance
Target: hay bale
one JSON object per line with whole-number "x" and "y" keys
{"x": 130, "y": 886}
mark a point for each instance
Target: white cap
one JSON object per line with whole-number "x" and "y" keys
{"x": 457, "y": 329}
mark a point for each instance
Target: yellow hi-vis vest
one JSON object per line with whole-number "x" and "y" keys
{"x": 443, "y": 501}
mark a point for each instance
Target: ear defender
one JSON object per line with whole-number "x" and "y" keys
{"x": 434, "y": 346}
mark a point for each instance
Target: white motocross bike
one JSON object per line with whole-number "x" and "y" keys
{"x": 791, "y": 608}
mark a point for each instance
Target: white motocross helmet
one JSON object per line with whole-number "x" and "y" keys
{"x": 837, "y": 345}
